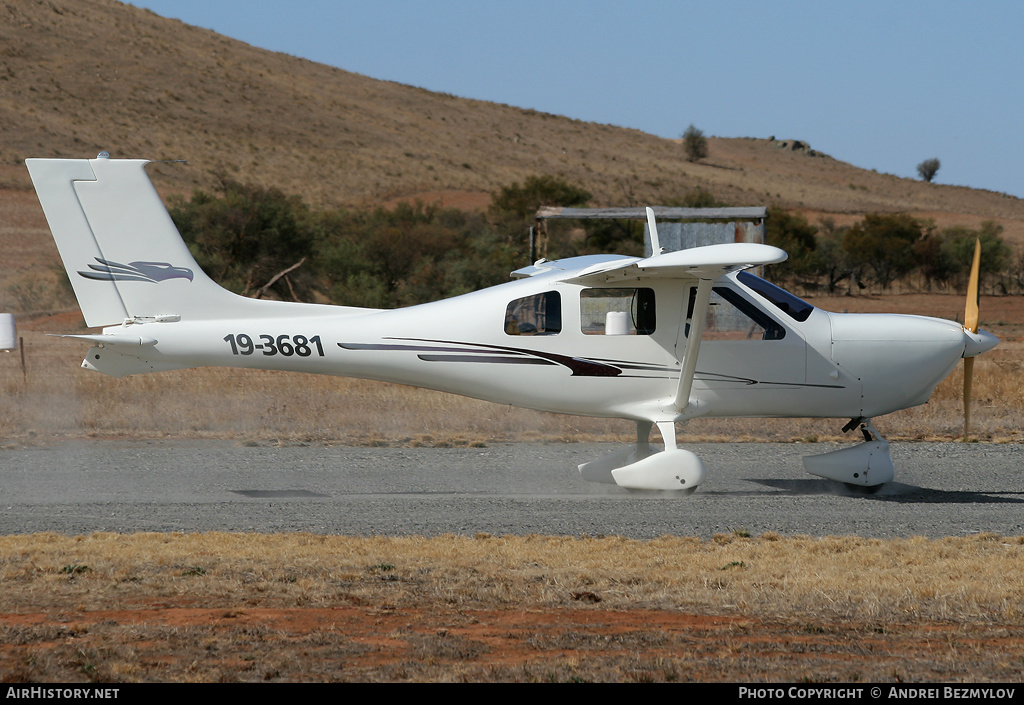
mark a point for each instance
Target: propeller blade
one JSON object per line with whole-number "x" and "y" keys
{"x": 971, "y": 315}
{"x": 971, "y": 312}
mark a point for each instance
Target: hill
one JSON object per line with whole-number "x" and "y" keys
{"x": 81, "y": 76}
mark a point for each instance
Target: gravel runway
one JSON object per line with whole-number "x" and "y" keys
{"x": 941, "y": 489}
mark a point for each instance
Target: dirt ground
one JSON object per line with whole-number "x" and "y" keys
{"x": 255, "y": 642}
{"x": 301, "y": 607}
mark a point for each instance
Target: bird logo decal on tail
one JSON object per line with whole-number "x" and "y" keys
{"x": 135, "y": 271}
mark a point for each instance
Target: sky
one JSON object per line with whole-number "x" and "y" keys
{"x": 881, "y": 85}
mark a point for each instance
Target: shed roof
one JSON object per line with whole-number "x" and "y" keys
{"x": 661, "y": 212}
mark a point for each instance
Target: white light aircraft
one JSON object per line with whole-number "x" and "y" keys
{"x": 659, "y": 340}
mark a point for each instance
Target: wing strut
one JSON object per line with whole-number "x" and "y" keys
{"x": 688, "y": 365}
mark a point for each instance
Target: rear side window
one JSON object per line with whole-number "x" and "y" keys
{"x": 617, "y": 311}
{"x": 540, "y": 314}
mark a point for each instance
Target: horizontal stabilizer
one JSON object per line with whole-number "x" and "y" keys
{"x": 118, "y": 361}
{"x": 118, "y": 339}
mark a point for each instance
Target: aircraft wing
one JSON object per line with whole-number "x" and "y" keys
{"x": 709, "y": 262}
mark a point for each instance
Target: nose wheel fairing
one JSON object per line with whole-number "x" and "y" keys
{"x": 867, "y": 464}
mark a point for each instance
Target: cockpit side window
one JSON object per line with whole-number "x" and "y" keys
{"x": 731, "y": 317}
{"x": 793, "y": 306}
{"x": 539, "y": 314}
{"x": 607, "y": 311}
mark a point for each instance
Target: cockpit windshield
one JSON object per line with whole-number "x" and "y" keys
{"x": 795, "y": 307}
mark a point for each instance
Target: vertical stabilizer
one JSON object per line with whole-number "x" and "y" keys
{"x": 121, "y": 250}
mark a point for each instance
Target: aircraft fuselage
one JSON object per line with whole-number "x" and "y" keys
{"x": 756, "y": 361}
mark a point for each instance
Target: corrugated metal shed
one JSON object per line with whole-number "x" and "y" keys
{"x": 689, "y": 227}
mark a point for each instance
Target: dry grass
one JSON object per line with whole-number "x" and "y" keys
{"x": 974, "y": 578}
{"x": 202, "y": 607}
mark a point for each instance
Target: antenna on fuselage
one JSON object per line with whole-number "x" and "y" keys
{"x": 652, "y": 225}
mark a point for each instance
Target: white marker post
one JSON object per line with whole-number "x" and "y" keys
{"x": 9, "y": 338}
